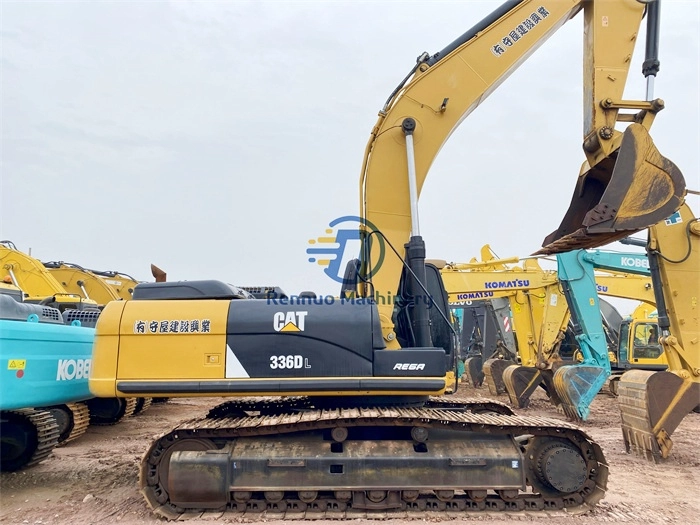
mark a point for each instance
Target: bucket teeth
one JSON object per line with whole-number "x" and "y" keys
{"x": 577, "y": 386}
{"x": 522, "y": 381}
{"x": 632, "y": 189}
{"x": 473, "y": 368}
{"x": 652, "y": 405}
{"x": 493, "y": 375}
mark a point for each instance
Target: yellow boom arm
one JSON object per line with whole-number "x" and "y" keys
{"x": 443, "y": 89}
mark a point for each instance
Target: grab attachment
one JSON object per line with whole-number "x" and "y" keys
{"x": 628, "y": 191}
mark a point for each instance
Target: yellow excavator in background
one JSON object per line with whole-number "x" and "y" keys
{"x": 653, "y": 404}
{"x": 37, "y": 283}
{"x": 382, "y": 442}
{"x": 540, "y": 319}
{"x": 78, "y": 281}
{"x": 123, "y": 284}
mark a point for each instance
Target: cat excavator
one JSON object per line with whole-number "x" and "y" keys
{"x": 346, "y": 414}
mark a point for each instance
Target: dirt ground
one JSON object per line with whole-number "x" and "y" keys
{"x": 94, "y": 478}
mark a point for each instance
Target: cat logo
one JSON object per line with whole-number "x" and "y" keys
{"x": 289, "y": 321}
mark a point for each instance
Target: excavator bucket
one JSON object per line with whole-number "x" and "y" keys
{"x": 628, "y": 191}
{"x": 522, "y": 381}
{"x": 576, "y": 386}
{"x": 473, "y": 369}
{"x": 652, "y": 405}
{"x": 493, "y": 375}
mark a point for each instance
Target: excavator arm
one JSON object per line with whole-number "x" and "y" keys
{"x": 79, "y": 281}
{"x": 625, "y": 185}
{"x": 540, "y": 318}
{"x": 653, "y": 404}
{"x": 35, "y": 280}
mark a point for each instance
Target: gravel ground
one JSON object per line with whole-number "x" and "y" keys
{"x": 94, "y": 478}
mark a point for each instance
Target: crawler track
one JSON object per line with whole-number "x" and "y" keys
{"x": 81, "y": 421}
{"x": 292, "y": 419}
{"x": 28, "y": 436}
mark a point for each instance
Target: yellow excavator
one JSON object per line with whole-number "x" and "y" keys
{"x": 540, "y": 318}
{"x": 37, "y": 283}
{"x": 347, "y": 419}
{"x": 123, "y": 284}
{"x": 653, "y": 404}
{"x": 82, "y": 282}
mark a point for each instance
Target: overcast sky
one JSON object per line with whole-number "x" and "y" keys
{"x": 216, "y": 138}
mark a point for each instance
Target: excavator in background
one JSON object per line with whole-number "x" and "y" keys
{"x": 123, "y": 284}
{"x": 624, "y": 341}
{"x": 484, "y": 332}
{"x": 37, "y": 283}
{"x": 577, "y": 385}
{"x": 82, "y": 282}
{"x": 44, "y": 368}
{"x": 383, "y": 442}
{"x": 42, "y": 287}
{"x": 540, "y": 319}
{"x": 653, "y": 404}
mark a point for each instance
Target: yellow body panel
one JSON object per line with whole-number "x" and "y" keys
{"x": 174, "y": 354}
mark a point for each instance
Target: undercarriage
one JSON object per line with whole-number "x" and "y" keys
{"x": 288, "y": 455}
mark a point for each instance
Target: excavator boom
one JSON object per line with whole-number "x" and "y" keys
{"x": 625, "y": 186}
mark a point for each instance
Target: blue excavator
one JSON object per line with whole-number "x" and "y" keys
{"x": 577, "y": 385}
{"x": 45, "y": 360}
